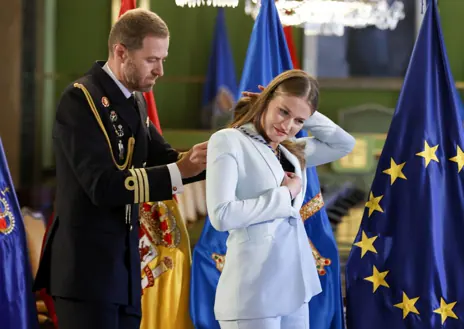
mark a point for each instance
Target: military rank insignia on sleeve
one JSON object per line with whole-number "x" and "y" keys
{"x": 138, "y": 183}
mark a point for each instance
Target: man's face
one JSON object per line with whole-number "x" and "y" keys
{"x": 142, "y": 67}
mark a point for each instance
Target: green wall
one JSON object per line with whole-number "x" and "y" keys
{"x": 451, "y": 12}
{"x": 82, "y": 29}
{"x": 83, "y": 26}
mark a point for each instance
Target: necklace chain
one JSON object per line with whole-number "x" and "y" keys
{"x": 260, "y": 139}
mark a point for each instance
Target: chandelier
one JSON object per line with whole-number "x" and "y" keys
{"x": 330, "y": 17}
{"x": 214, "y": 3}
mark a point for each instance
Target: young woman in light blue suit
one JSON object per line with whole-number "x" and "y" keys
{"x": 255, "y": 184}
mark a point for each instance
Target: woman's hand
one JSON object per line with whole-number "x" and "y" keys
{"x": 293, "y": 183}
{"x": 251, "y": 94}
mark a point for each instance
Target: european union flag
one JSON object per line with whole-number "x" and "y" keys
{"x": 406, "y": 266}
{"x": 221, "y": 83}
{"x": 17, "y": 306}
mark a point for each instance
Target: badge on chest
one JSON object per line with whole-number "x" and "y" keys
{"x": 119, "y": 130}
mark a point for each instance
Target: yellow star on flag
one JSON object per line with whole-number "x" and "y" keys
{"x": 377, "y": 278}
{"x": 408, "y": 305}
{"x": 395, "y": 171}
{"x": 446, "y": 310}
{"x": 366, "y": 244}
{"x": 428, "y": 153}
{"x": 459, "y": 159}
{"x": 373, "y": 203}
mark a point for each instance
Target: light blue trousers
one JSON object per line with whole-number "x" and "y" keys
{"x": 296, "y": 320}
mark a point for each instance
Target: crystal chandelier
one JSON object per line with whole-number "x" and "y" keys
{"x": 214, "y": 3}
{"x": 330, "y": 17}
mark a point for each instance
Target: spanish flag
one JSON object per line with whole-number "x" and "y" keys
{"x": 164, "y": 251}
{"x": 166, "y": 260}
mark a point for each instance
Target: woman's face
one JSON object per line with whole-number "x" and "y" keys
{"x": 284, "y": 117}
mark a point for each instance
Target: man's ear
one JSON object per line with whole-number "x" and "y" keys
{"x": 120, "y": 52}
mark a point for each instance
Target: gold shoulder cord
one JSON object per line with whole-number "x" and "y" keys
{"x": 130, "y": 143}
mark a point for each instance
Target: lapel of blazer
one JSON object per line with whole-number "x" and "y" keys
{"x": 298, "y": 171}
{"x": 267, "y": 154}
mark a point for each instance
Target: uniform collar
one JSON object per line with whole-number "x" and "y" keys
{"x": 109, "y": 85}
{"x": 123, "y": 88}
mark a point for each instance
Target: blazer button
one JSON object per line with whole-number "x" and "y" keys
{"x": 130, "y": 227}
{"x": 174, "y": 188}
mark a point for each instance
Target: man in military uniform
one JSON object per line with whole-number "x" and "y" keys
{"x": 109, "y": 159}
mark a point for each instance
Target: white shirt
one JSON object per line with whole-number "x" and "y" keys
{"x": 176, "y": 178}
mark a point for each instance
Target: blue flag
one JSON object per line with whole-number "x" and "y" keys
{"x": 207, "y": 262}
{"x": 17, "y": 305}
{"x": 221, "y": 84}
{"x": 406, "y": 266}
{"x": 267, "y": 57}
{"x": 267, "y": 54}
{"x": 209, "y": 252}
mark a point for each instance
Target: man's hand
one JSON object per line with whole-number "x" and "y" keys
{"x": 193, "y": 162}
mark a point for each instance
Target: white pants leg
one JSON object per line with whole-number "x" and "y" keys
{"x": 297, "y": 320}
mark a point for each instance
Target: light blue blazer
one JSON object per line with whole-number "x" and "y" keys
{"x": 269, "y": 269}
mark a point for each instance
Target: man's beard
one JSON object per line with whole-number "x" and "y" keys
{"x": 133, "y": 78}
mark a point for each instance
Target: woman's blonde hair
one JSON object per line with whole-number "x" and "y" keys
{"x": 290, "y": 83}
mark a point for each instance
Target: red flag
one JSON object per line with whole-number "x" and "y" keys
{"x": 126, "y": 5}
{"x": 291, "y": 46}
{"x": 151, "y": 110}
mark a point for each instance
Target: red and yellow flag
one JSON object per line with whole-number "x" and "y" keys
{"x": 164, "y": 252}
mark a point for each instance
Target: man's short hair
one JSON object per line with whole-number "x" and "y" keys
{"x": 132, "y": 28}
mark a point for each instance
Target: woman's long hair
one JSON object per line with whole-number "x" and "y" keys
{"x": 290, "y": 83}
